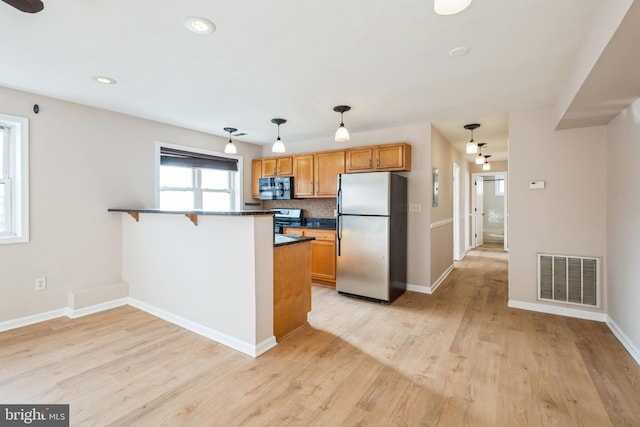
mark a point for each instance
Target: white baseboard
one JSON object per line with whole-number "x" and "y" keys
{"x": 31, "y": 320}
{"x": 441, "y": 279}
{"x": 560, "y": 311}
{"x": 419, "y": 289}
{"x": 73, "y": 314}
{"x": 624, "y": 339}
{"x": 253, "y": 350}
{"x": 430, "y": 289}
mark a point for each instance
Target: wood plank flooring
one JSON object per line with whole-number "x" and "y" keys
{"x": 459, "y": 357}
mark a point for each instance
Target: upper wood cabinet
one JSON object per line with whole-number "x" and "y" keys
{"x": 316, "y": 175}
{"x": 303, "y": 177}
{"x": 277, "y": 166}
{"x": 256, "y": 174}
{"x": 389, "y": 157}
{"x": 327, "y": 166}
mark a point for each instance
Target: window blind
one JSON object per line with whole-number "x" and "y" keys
{"x": 175, "y": 157}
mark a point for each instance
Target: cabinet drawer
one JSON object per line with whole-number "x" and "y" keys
{"x": 293, "y": 231}
{"x": 327, "y": 235}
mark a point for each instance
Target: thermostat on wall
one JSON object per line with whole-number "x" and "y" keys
{"x": 536, "y": 185}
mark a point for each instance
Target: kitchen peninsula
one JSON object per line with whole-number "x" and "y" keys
{"x": 210, "y": 272}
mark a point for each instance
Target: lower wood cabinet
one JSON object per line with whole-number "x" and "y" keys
{"x": 323, "y": 254}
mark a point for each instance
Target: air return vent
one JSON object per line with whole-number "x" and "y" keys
{"x": 569, "y": 279}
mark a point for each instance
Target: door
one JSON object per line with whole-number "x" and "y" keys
{"x": 303, "y": 175}
{"x": 327, "y": 167}
{"x": 363, "y": 260}
{"x": 457, "y": 244}
{"x": 479, "y": 211}
{"x": 365, "y": 193}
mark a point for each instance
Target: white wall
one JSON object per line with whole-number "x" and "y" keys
{"x": 623, "y": 224}
{"x": 568, "y": 216}
{"x": 215, "y": 279}
{"x": 419, "y": 136}
{"x": 82, "y": 162}
{"x": 443, "y": 155}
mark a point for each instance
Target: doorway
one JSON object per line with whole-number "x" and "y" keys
{"x": 489, "y": 220}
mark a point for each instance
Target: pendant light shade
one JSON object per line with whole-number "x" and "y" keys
{"x": 480, "y": 157}
{"x": 342, "y": 134}
{"x": 278, "y": 146}
{"x": 230, "y": 148}
{"x": 471, "y": 147}
{"x": 486, "y": 166}
{"x": 450, "y": 7}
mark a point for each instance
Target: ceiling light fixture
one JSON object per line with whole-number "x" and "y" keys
{"x": 230, "y": 148}
{"x": 199, "y": 25}
{"x": 450, "y": 7}
{"x": 486, "y": 166}
{"x": 105, "y": 80}
{"x": 278, "y": 146}
{"x": 342, "y": 134}
{"x": 480, "y": 157}
{"x": 471, "y": 147}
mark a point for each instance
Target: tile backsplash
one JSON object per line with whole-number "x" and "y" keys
{"x": 312, "y": 208}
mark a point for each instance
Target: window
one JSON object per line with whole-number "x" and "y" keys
{"x": 499, "y": 187}
{"x": 190, "y": 180}
{"x": 14, "y": 174}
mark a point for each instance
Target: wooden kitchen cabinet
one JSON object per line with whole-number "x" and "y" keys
{"x": 323, "y": 254}
{"x": 316, "y": 174}
{"x": 303, "y": 177}
{"x": 327, "y": 166}
{"x": 277, "y": 166}
{"x": 389, "y": 157}
{"x": 256, "y": 174}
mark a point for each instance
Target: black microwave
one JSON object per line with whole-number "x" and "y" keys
{"x": 280, "y": 188}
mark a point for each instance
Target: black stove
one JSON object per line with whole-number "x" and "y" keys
{"x": 286, "y": 217}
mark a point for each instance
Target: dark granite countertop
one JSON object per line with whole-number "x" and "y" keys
{"x": 194, "y": 212}
{"x": 285, "y": 239}
{"x": 320, "y": 223}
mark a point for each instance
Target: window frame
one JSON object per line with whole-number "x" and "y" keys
{"x": 16, "y": 131}
{"x": 235, "y": 184}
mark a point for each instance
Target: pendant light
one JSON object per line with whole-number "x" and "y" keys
{"x": 278, "y": 146}
{"x": 450, "y": 7}
{"x": 486, "y": 166}
{"x": 342, "y": 134}
{"x": 471, "y": 147}
{"x": 480, "y": 157}
{"x": 230, "y": 148}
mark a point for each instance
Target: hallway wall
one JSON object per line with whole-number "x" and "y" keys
{"x": 623, "y": 225}
{"x": 568, "y": 216}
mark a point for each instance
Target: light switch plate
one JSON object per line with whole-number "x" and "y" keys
{"x": 536, "y": 185}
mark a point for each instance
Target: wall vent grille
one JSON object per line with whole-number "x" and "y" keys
{"x": 569, "y": 279}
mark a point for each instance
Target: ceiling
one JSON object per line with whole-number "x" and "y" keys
{"x": 296, "y": 60}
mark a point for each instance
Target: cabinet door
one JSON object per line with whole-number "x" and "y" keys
{"x": 359, "y": 159}
{"x": 269, "y": 168}
{"x": 327, "y": 168}
{"x": 256, "y": 174}
{"x": 390, "y": 157}
{"x": 285, "y": 166}
{"x": 303, "y": 175}
{"x": 323, "y": 261}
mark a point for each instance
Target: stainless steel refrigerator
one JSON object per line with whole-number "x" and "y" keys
{"x": 372, "y": 235}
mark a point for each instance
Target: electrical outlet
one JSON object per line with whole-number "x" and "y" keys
{"x": 415, "y": 207}
{"x": 41, "y": 283}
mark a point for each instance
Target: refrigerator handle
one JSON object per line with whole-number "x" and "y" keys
{"x": 338, "y": 232}
{"x": 339, "y": 202}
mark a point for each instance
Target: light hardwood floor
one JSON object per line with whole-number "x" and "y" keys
{"x": 459, "y": 357}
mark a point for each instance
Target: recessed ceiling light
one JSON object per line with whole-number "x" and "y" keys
{"x": 459, "y": 51}
{"x": 199, "y": 25}
{"x": 105, "y": 80}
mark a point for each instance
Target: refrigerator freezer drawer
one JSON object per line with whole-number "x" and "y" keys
{"x": 363, "y": 263}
